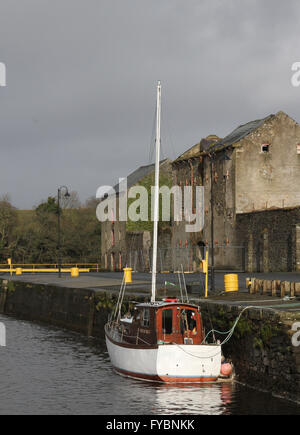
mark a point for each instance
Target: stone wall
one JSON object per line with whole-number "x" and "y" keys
{"x": 272, "y": 239}
{"x": 77, "y": 309}
{"x": 261, "y": 347}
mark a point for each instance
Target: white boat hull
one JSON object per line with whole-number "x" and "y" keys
{"x": 167, "y": 363}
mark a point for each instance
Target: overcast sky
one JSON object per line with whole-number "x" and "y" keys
{"x": 78, "y": 108}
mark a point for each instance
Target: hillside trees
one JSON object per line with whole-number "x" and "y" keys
{"x": 8, "y": 219}
{"x": 31, "y": 236}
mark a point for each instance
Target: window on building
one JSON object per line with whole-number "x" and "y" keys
{"x": 265, "y": 148}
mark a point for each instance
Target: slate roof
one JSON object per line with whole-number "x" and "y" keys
{"x": 238, "y": 134}
{"x": 213, "y": 144}
{"x": 139, "y": 174}
{"x": 197, "y": 150}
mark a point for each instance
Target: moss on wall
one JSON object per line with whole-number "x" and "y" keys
{"x": 164, "y": 180}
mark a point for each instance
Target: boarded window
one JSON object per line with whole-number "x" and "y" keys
{"x": 113, "y": 237}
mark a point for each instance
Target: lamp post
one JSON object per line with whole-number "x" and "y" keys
{"x": 58, "y": 226}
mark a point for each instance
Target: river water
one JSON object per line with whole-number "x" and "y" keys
{"x": 44, "y": 370}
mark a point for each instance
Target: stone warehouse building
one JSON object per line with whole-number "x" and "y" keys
{"x": 130, "y": 243}
{"x": 253, "y": 175}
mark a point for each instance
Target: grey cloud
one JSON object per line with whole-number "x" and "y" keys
{"x": 79, "y": 103}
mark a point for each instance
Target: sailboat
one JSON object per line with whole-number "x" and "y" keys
{"x": 163, "y": 340}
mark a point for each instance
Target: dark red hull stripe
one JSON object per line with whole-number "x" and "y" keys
{"x": 168, "y": 379}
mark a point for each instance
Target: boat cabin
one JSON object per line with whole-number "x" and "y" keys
{"x": 164, "y": 322}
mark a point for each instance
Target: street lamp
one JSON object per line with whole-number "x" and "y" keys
{"x": 58, "y": 225}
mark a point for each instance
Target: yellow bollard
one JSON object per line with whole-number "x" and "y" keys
{"x": 10, "y": 265}
{"x": 127, "y": 275}
{"x": 19, "y": 271}
{"x": 74, "y": 272}
{"x": 231, "y": 282}
{"x": 204, "y": 266}
{"x": 248, "y": 283}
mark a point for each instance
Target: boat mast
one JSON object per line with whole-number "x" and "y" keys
{"x": 156, "y": 191}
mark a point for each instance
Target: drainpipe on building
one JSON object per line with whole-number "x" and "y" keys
{"x": 212, "y": 273}
{"x": 191, "y": 240}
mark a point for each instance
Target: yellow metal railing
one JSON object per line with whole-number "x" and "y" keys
{"x": 19, "y": 268}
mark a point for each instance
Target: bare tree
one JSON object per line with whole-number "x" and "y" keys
{"x": 71, "y": 201}
{"x": 91, "y": 202}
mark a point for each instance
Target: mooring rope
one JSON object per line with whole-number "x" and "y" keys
{"x": 231, "y": 330}
{"x": 198, "y": 356}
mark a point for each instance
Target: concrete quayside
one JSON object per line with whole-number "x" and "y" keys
{"x": 264, "y": 347}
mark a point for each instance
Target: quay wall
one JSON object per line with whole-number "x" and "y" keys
{"x": 260, "y": 348}
{"x": 78, "y": 309}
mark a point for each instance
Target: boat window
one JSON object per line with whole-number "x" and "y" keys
{"x": 145, "y": 317}
{"x": 167, "y": 321}
{"x": 188, "y": 321}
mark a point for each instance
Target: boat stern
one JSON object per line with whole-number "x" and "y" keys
{"x": 188, "y": 363}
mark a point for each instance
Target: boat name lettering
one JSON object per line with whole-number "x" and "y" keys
{"x": 144, "y": 331}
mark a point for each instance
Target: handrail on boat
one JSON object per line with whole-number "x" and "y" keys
{"x": 112, "y": 325}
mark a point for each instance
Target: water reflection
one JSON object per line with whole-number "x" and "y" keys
{"x": 193, "y": 399}
{"x": 48, "y": 371}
